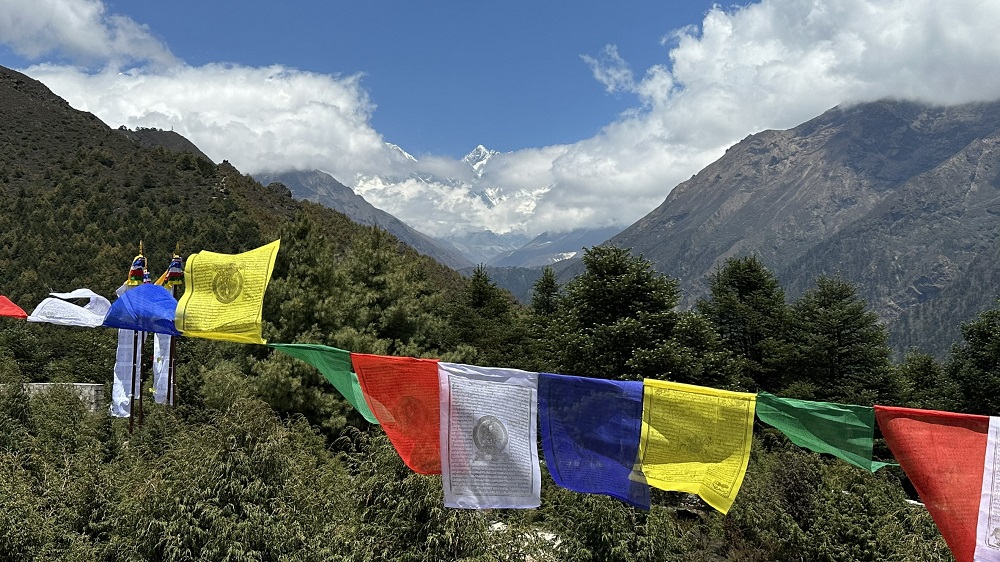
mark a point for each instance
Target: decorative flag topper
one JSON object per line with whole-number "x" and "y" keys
{"x": 138, "y": 274}
{"x": 174, "y": 275}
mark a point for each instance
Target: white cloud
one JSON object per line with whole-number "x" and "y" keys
{"x": 773, "y": 64}
{"x": 79, "y": 30}
{"x": 259, "y": 119}
{"x": 611, "y": 70}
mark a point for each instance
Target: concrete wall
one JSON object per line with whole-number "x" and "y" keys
{"x": 91, "y": 394}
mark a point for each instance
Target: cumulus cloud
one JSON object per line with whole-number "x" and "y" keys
{"x": 267, "y": 118}
{"x": 80, "y": 31}
{"x": 773, "y": 64}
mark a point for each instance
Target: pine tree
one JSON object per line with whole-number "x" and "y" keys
{"x": 974, "y": 365}
{"x": 841, "y": 348}
{"x": 545, "y": 293}
{"x": 747, "y": 306}
{"x": 486, "y": 319}
{"x": 617, "y": 320}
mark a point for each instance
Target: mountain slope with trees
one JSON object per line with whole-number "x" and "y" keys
{"x": 896, "y": 197}
{"x": 322, "y": 188}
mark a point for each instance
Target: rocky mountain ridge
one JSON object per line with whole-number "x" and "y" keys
{"x": 897, "y": 197}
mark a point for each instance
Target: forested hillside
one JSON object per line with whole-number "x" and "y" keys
{"x": 264, "y": 460}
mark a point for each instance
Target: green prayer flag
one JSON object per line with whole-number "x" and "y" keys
{"x": 335, "y": 365}
{"x": 842, "y": 430}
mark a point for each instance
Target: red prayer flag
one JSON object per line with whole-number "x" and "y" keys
{"x": 943, "y": 454}
{"x": 8, "y": 308}
{"x": 403, "y": 394}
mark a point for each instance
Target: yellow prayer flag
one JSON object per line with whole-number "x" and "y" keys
{"x": 224, "y": 294}
{"x": 696, "y": 439}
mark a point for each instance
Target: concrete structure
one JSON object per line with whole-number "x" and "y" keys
{"x": 91, "y": 394}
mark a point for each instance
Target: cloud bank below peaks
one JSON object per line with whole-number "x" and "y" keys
{"x": 768, "y": 65}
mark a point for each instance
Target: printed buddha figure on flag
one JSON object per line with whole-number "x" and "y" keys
{"x": 490, "y": 438}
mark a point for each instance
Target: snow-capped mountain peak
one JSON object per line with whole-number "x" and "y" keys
{"x": 397, "y": 149}
{"x": 478, "y": 158}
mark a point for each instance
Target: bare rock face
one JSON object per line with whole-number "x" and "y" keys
{"x": 899, "y": 198}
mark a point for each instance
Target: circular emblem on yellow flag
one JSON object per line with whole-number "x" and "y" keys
{"x": 227, "y": 284}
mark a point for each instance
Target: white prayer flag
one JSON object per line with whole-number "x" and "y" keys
{"x": 161, "y": 368}
{"x": 129, "y": 353}
{"x": 988, "y": 529}
{"x": 95, "y": 303}
{"x": 54, "y": 310}
{"x": 489, "y": 451}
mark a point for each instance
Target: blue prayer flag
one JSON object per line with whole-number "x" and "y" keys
{"x": 590, "y": 435}
{"x": 146, "y": 308}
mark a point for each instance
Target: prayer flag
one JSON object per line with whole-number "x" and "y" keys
{"x": 161, "y": 368}
{"x": 951, "y": 459}
{"x": 841, "y": 430}
{"x": 55, "y": 310}
{"x": 10, "y": 309}
{"x": 403, "y": 394}
{"x": 335, "y": 366}
{"x": 489, "y": 451}
{"x": 696, "y": 439}
{"x": 127, "y": 357}
{"x": 95, "y": 303}
{"x": 145, "y": 308}
{"x": 224, "y": 294}
{"x": 590, "y": 432}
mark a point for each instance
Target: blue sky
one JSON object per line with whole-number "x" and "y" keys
{"x": 599, "y": 109}
{"x": 445, "y": 76}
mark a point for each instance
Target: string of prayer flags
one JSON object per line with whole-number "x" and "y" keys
{"x": 951, "y": 459}
{"x": 144, "y": 308}
{"x": 403, "y": 394}
{"x": 11, "y": 310}
{"x": 489, "y": 452}
{"x": 590, "y": 432}
{"x": 841, "y": 430}
{"x": 55, "y": 310}
{"x": 335, "y": 365}
{"x": 224, "y": 294}
{"x": 696, "y": 439}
